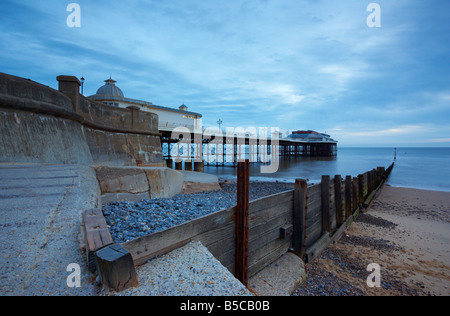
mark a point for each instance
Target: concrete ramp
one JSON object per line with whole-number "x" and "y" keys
{"x": 40, "y": 209}
{"x": 187, "y": 271}
{"x": 280, "y": 278}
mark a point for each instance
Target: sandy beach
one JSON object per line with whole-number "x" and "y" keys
{"x": 405, "y": 231}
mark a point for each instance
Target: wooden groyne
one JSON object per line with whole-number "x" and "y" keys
{"x": 304, "y": 220}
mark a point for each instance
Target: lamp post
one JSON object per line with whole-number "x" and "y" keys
{"x": 219, "y": 122}
{"x": 82, "y": 85}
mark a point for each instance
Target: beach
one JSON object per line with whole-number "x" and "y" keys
{"x": 406, "y": 232}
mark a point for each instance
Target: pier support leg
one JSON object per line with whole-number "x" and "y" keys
{"x": 199, "y": 166}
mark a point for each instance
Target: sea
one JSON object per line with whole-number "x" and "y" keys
{"x": 420, "y": 168}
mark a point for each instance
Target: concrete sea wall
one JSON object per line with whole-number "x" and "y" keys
{"x": 40, "y": 124}
{"x": 38, "y": 138}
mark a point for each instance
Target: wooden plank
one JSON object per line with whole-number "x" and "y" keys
{"x": 339, "y": 204}
{"x": 332, "y": 210}
{"x": 271, "y": 201}
{"x": 214, "y": 235}
{"x": 355, "y": 194}
{"x": 325, "y": 240}
{"x": 226, "y": 258}
{"x": 150, "y": 246}
{"x": 314, "y": 189}
{"x": 97, "y": 235}
{"x": 259, "y": 227}
{"x": 224, "y": 250}
{"x": 219, "y": 240}
{"x": 313, "y": 233}
{"x": 314, "y": 216}
{"x": 299, "y": 217}
{"x": 326, "y": 203}
{"x": 277, "y": 249}
{"x": 373, "y": 179}
{"x": 274, "y": 225}
{"x": 259, "y": 246}
{"x": 268, "y": 234}
{"x": 360, "y": 189}
{"x": 380, "y": 172}
{"x": 242, "y": 221}
{"x": 266, "y": 215}
{"x": 314, "y": 201}
{"x": 348, "y": 196}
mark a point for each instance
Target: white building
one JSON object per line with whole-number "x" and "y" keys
{"x": 168, "y": 118}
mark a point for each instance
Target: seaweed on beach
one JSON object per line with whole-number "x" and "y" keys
{"x": 376, "y": 221}
{"x": 365, "y": 241}
{"x": 322, "y": 281}
{"x": 325, "y": 283}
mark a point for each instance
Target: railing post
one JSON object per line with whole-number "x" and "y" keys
{"x": 300, "y": 209}
{"x": 242, "y": 226}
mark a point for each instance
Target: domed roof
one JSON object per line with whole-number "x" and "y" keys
{"x": 110, "y": 89}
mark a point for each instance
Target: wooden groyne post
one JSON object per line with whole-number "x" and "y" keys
{"x": 242, "y": 224}
{"x": 299, "y": 223}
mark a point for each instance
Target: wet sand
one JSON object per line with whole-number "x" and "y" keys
{"x": 405, "y": 231}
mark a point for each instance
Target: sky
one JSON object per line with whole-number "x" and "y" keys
{"x": 291, "y": 64}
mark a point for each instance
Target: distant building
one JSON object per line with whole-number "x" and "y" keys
{"x": 311, "y": 136}
{"x": 168, "y": 118}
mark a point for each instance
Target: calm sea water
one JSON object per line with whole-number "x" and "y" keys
{"x": 421, "y": 168}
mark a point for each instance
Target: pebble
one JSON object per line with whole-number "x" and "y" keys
{"x": 131, "y": 220}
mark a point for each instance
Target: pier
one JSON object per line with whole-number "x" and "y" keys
{"x": 229, "y": 151}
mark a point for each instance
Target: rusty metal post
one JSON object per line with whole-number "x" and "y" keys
{"x": 242, "y": 226}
